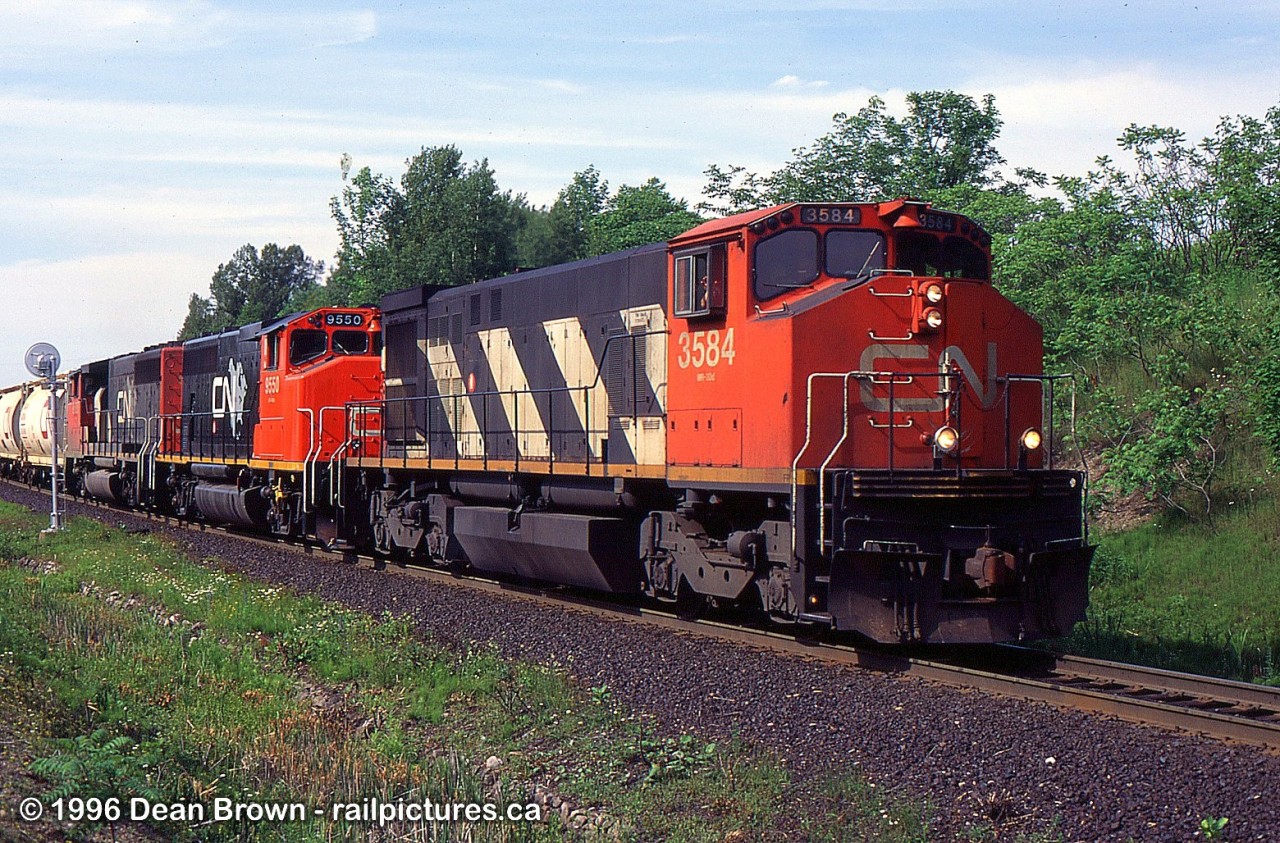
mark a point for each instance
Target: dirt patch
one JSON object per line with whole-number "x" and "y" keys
{"x": 1113, "y": 513}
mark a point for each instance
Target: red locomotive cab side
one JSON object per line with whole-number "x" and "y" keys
{"x": 727, "y": 371}
{"x": 78, "y": 411}
{"x": 170, "y": 419}
{"x": 313, "y": 366}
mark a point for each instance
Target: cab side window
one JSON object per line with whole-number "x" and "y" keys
{"x": 273, "y": 351}
{"x": 699, "y": 282}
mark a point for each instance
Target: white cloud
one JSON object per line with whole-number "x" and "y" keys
{"x": 97, "y": 306}
{"x": 1059, "y": 120}
{"x": 795, "y": 83}
{"x": 338, "y": 31}
{"x": 561, "y": 85}
{"x": 663, "y": 40}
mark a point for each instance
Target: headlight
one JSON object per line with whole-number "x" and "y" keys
{"x": 1031, "y": 439}
{"x": 933, "y": 293}
{"x": 946, "y": 439}
{"x": 933, "y": 318}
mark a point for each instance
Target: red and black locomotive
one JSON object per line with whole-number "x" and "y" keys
{"x": 824, "y": 411}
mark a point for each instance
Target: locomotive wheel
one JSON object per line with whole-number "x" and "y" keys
{"x": 690, "y": 605}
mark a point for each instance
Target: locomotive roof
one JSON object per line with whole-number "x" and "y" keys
{"x": 729, "y": 223}
{"x": 416, "y": 296}
{"x": 243, "y": 332}
{"x": 279, "y": 323}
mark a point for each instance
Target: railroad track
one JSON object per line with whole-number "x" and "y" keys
{"x": 1219, "y": 708}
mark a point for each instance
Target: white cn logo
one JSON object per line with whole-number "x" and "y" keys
{"x": 229, "y": 391}
{"x": 875, "y": 399}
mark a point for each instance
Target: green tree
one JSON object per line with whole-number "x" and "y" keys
{"x": 366, "y": 213}
{"x": 1246, "y": 161}
{"x": 456, "y": 226}
{"x": 635, "y": 216}
{"x": 945, "y": 140}
{"x": 446, "y": 223}
{"x": 562, "y": 233}
{"x": 252, "y": 286}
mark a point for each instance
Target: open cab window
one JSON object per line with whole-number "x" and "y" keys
{"x": 272, "y": 344}
{"x": 699, "y": 281}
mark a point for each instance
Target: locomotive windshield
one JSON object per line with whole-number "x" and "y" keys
{"x": 350, "y": 342}
{"x": 950, "y": 257}
{"x": 852, "y": 254}
{"x": 786, "y": 261}
{"x": 307, "y": 345}
{"x": 790, "y": 260}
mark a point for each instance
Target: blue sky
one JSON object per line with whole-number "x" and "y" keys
{"x": 143, "y": 141}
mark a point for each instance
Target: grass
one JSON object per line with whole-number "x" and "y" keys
{"x": 164, "y": 677}
{"x": 1191, "y": 597}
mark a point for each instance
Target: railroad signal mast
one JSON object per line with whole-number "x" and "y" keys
{"x": 42, "y": 360}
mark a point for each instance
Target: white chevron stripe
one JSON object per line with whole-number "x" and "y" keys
{"x": 572, "y": 353}
{"x": 578, "y": 367}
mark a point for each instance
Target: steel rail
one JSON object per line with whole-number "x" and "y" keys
{"x": 1218, "y": 708}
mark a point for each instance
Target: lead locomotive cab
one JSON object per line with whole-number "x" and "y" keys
{"x": 862, "y": 421}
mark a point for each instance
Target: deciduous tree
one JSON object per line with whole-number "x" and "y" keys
{"x": 635, "y": 216}
{"x": 252, "y": 286}
{"x": 945, "y": 140}
{"x": 447, "y": 223}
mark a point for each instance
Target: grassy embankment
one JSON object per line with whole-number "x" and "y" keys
{"x": 164, "y": 678}
{"x": 1197, "y": 593}
{"x": 1203, "y": 598}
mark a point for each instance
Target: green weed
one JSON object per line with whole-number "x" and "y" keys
{"x": 197, "y": 683}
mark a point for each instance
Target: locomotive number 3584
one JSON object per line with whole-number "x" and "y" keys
{"x": 705, "y": 348}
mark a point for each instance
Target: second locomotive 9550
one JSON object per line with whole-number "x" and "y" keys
{"x": 821, "y": 410}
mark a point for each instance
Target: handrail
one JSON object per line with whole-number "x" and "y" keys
{"x": 822, "y": 470}
{"x": 808, "y": 439}
{"x": 311, "y": 446}
{"x": 146, "y": 460}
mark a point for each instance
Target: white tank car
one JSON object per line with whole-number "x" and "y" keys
{"x": 35, "y": 426}
{"x": 10, "y": 404}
